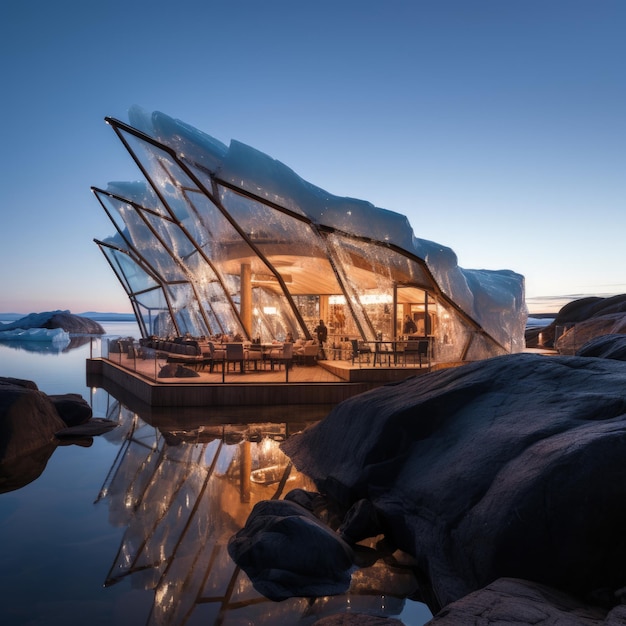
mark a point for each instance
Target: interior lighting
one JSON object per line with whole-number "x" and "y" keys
{"x": 336, "y": 299}
{"x": 376, "y": 298}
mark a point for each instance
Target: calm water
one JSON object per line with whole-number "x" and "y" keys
{"x": 132, "y": 529}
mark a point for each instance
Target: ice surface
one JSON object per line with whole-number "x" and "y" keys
{"x": 55, "y": 335}
{"x": 494, "y": 299}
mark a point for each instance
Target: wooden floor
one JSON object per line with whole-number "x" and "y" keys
{"x": 322, "y": 371}
{"x": 324, "y": 383}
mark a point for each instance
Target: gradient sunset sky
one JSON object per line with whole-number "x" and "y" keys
{"x": 498, "y": 127}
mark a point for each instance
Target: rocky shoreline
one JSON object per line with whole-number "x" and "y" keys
{"x": 503, "y": 480}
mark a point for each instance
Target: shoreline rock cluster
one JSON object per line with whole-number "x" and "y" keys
{"x": 504, "y": 479}
{"x": 580, "y": 321}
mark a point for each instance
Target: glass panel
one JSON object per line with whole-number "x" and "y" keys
{"x": 167, "y": 178}
{"x": 134, "y": 277}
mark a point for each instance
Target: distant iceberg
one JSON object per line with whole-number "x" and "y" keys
{"x": 55, "y": 320}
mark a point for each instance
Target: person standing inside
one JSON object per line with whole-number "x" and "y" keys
{"x": 409, "y": 326}
{"x": 321, "y": 330}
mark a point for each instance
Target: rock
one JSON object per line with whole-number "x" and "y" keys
{"x": 74, "y": 324}
{"x": 72, "y": 408}
{"x": 308, "y": 559}
{"x": 575, "y": 312}
{"x": 28, "y": 420}
{"x": 585, "y": 308}
{"x": 360, "y": 522}
{"x": 511, "y": 601}
{"x": 508, "y": 467}
{"x": 19, "y": 382}
{"x": 583, "y": 332}
{"x": 605, "y": 347}
{"x": 91, "y": 428}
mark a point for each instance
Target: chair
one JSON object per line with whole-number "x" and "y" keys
{"x": 305, "y": 352}
{"x": 360, "y": 350}
{"x": 207, "y": 358}
{"x": 234, "y": 355}
{"x": 132, "y": 352}
{"x": 385, "y": 352}
{"x": 254, "y": 354}
{"x": 283, "y": 356}
{"x": 416, "y": 348}
{"x": 216, "y": 355}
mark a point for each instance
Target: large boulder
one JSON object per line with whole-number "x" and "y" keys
{"x": 308, "y": 558}
{"x": 73, "y": 324}
{"x": 28, "y": 421}
{"x": 30, "y": 425}
{"x": 509, "y": 467}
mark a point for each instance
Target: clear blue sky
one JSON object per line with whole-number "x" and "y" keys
{"x": 498, "y": 127}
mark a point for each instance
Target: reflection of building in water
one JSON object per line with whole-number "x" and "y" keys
{"x": 225, "y": 240}
{"x": 183, "y": 494}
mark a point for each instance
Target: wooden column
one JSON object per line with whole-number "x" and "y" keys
{"x": 245, "y": 311}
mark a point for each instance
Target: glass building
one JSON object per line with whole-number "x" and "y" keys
{"x": 225, "y": 240}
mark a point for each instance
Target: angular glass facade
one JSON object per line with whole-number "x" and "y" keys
{"x": 226, "y": 240}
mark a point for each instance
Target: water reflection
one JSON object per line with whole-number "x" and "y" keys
{"x": 49, "y": 347}
{"x": 182, "y": 493}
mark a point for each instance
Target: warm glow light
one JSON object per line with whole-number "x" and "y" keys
{"x": 376, "y": 298}
{"x": 336, "y": 299}
{"x": 269, "y": 310}
{"x": 371, "y": 298}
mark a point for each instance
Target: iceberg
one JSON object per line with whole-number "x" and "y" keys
{"x": 54, "y": 335}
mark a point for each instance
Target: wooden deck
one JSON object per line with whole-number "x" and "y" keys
{"x": 324, "y": 384}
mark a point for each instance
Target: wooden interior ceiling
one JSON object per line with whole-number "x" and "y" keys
{"x": 310, "y": 273}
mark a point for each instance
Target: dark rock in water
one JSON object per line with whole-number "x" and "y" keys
{"x": 17, "y": 382}
{"x": 91, "y": 428}
{"x": 512, "y": 601}
{"x": 605, "y": 347}
{"x": 72, "y": 408}
{"x": 509, "y": 467}
{"x": 28, "y": 419}
{"x": 73, "y": 324}
{"x": 309, "y": 559}
{"x": 29, "y": 423}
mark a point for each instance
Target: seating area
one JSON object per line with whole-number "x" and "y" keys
{"x": 202, "y": 354}
{"x": 180, "y": 350}
{"x": 224, "y": 355}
